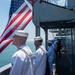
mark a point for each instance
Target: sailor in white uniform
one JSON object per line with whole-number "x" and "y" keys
{"x": 22, "y": 59}
{"x": 50, "y": 55}
{"x": 39, "y": 64}
{"x": 55, "y": 45}
{"x": 55, "y": 49}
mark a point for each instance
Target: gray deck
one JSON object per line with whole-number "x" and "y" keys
{"x": 64, "y": 66}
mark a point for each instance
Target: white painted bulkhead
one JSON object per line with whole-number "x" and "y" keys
{"x": 44, "y": 12}
{"x": 71, "y": 4}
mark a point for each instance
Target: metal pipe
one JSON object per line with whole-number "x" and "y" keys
{"x": 46, "y": 37}
{"x": 72, "y": 49}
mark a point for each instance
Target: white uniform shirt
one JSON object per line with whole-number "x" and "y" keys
{"x": 51, "y": 57}
{"x": 55, "y": 45}
{"x": 39, "y": 63}
{"x": 50, "y": 53}
{"x": 20, "y": 62}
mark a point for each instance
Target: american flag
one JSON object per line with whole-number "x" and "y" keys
{"x": 19, "y": 16}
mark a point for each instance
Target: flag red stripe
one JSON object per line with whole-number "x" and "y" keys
{"x": 27, "y": 22}
{"x": 15, "y": 18}
{"x": 3, "y": 47}
{"x": 15, "y": 27}
{"x": 32, "y": 1}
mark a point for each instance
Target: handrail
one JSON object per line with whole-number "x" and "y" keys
{"x": 5, "y": 70}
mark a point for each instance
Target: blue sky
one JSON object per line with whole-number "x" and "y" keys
{"x": 4, "y": 9}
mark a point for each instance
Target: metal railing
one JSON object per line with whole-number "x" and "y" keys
{"x": 54, "y": 69}
{"x": 5, "y": 70}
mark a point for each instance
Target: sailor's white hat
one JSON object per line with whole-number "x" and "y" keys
{"x": 37, "y": 38}
{"x": 21, "y": 33}
{"x": 49, "y": 41}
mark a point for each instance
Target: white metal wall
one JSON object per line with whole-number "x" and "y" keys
{"x": 71, "y": 4}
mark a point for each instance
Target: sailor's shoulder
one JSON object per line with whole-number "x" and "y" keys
{"x": 26, "y": 47}
{"x": 19, "y": 54}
